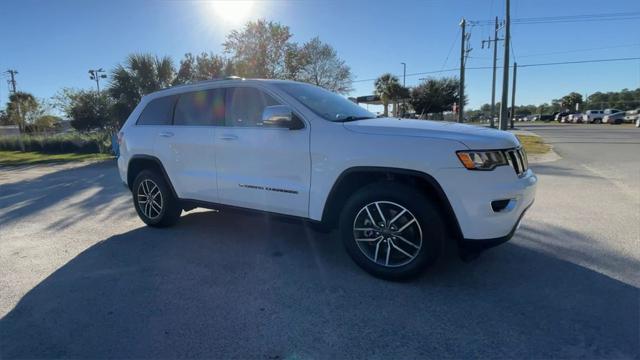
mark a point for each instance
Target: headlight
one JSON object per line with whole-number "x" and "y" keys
{"x": 482, "y": 160}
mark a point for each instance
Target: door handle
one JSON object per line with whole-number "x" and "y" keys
{"x": 229, "y": 137}
{"x": 166, "y": 134}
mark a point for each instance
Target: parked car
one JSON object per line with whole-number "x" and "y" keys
{"x": 546, "y": 117}
{"x": 610, "y": 111}
{"x": 559, "y": 117}
{"x": 631, "y": 116}
{"x": 614, "y": 119}
{"x": 257, "y": 145}
{"x": 575, "y": 118}
{"x": 593, "y": 116}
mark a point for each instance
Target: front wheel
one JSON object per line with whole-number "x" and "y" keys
{"x": 391, "y": 230}
{"x": 154, "y": 202}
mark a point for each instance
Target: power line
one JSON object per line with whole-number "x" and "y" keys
{"x": 567, "y": 19}
{"x": 520, "y": 66}
{"x": 453, "y": 43}
{"x": 580, "y": 50}
{"x": 580, "y": 62}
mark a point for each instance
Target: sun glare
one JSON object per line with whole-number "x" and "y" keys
{"x": 232, "y": 12}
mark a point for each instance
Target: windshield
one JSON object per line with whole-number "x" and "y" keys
{"x": 324, "y": 103}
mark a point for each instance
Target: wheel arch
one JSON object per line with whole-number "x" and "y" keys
{"x": 138, "y": 163}
{"x": 354, "y": 178}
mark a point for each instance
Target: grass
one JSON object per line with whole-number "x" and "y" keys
{"x": 533, "y": 144}
{"x": 30, "y": 158}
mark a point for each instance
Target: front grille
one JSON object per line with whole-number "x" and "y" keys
{"x": 518, "y": 160}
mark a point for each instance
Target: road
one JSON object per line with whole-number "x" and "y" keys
{"x": 80, "y": 276}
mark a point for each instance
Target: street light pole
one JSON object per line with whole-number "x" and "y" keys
{"x": 95, "y": 74}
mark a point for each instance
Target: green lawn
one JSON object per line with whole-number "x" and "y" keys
{"x": 30, "y": 158}
{"x": 533, "y": 144}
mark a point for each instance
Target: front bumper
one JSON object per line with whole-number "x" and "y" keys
{"x": 479, "y": 245}
{"x": 471, "y": 194}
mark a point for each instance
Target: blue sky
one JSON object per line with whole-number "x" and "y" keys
{"x": 53, "y": 43}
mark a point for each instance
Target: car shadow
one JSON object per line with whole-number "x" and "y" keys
{"x": 230, "y": 285}
{"x": 85, "y": 190}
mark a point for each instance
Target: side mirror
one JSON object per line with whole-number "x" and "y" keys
{"x": 280, "y": 116}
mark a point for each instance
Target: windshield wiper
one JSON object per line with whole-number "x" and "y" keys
{"x": 354, "y": 118}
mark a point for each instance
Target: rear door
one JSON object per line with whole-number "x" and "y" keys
{"x": 186, "y": 147}
{"x": 260, "y": 166}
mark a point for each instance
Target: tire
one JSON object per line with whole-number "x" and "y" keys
{"x": 419, "y": 224}
{"x": 164, "y": 210}
{"x": 597, "y": 121}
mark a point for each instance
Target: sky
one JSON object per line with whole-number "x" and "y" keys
{"x": 52, "y": 44}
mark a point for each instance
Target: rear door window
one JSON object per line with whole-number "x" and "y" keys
{"x": 200, "y": 108}
{"x": 158, "y": 111}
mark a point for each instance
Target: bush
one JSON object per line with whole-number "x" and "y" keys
{"x": 99, "y": 142}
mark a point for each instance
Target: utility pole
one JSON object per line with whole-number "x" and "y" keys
{"x": 464, "y": 52}
{"x": 513, "y": 93}
{"x": 12, "y": 73}
{"x": 504, "y": 107}
{"x": 404, "y": 84}
{"x": 94, "y": 74}
{"x": 495, "y": 59}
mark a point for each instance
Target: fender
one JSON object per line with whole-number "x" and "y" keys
{"x": 158, "y": 163}
{"x": 388, "y": 172}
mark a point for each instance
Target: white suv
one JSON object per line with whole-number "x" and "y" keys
{"x": 396, "y": 189}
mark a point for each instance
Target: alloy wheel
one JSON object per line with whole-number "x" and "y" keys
{"x": 387, "y": 233}
{"x": 149, "y": 199}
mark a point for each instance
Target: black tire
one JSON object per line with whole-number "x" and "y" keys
{"x": 390, "y": 196}
{"x": 597, "y": 121}
{"x": 170, "y": 208}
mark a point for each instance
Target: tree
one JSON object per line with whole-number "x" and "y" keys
{"x": 386, "y": 86}
{"x": 205, "y": 66}
{"x": 4, "y": 118}
{"x": 570, "y": 101}
{"x": 23, "y": 109}
{"x": 139, "y": 75}
{"x": 260, "y": 49}
{"x": 318, "y": 63}
{"x": 435, "y": 95}
{"x": 622, "y": 100}
{"x": 46, "y": 122}
{"x": 88, "y": 110}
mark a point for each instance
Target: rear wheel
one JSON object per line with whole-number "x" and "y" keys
{"x": 391, "y": 230}
{"x": 597, "y": 121}
{"x": 154, "y": 201}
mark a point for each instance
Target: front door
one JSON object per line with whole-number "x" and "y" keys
{"x": 259, "y": 166}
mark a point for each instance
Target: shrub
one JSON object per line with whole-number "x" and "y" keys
{"x": 99, "y": 142}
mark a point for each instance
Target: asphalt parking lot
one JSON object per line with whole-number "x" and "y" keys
{"x": 80, "y": 276}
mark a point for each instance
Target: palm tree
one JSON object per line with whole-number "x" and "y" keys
{"x": 386, "y": 87}
{"x": 139, "y": 75}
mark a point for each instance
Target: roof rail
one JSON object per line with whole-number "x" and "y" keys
{"x": 232, "y": 77}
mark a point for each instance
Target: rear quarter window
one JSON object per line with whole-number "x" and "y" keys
{"x": 157, "y": 112}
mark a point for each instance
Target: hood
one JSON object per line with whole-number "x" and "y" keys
{"x": 474, "y": 137}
